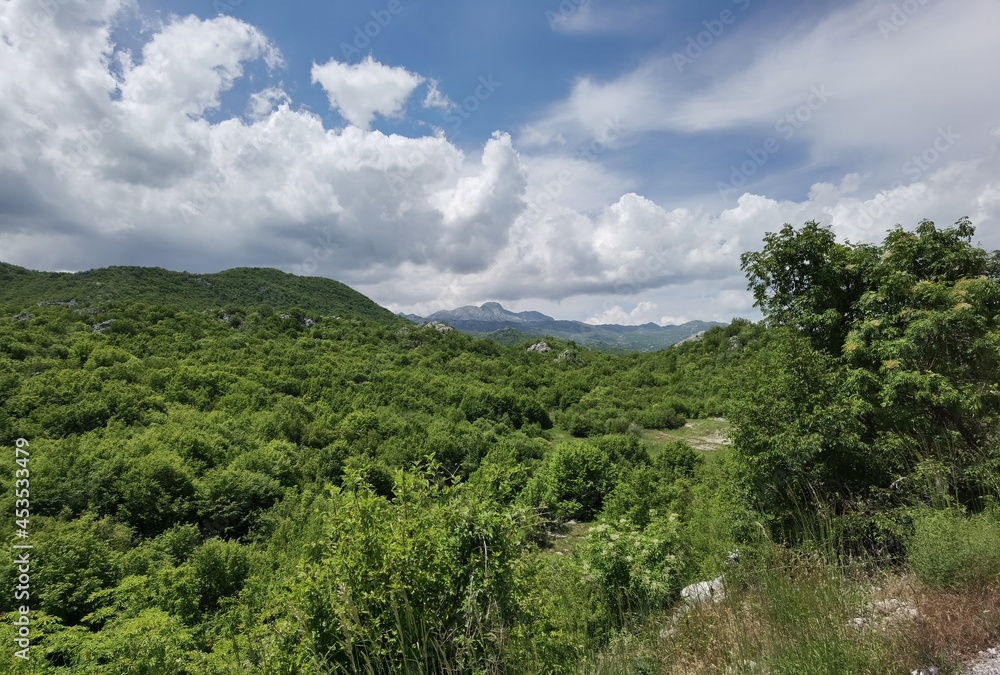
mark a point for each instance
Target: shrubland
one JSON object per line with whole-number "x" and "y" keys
{"x": 258, "y": 487}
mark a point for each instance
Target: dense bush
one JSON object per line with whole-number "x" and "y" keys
{"x": 426, "y": 582}
{"x": 636, "y": 568}
{"x": 573, "y": 481}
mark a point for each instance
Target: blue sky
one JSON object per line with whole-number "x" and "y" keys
{"x": 595, "y": 160}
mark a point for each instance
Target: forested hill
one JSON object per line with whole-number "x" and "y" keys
{"x": 242, "y": 286}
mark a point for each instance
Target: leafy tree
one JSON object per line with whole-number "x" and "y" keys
{"x": 881, "y": 386}
{"x": 76, "y": 560}
{"x": 806, "y": 280}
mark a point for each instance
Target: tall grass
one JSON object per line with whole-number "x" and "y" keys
{"x": 951, "y": 550}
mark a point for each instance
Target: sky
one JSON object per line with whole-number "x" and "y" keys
{"x": 594, "y": 160}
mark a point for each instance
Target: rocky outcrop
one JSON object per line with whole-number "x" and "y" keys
{"x": 540, "y": 347}
{"x": 438, "y": 326}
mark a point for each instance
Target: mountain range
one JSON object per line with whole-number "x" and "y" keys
{"x": 492, "y": 320}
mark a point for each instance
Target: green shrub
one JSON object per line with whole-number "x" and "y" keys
{"x": 951, "y": 550}
{"x": 573, "y": 482}
{"x": 229, "y": 501}
{"x": 660, "y": 416}
{"x": 637, "y": 569}
{"x": 623, "y": 449}
{"x": 425, "y": 583}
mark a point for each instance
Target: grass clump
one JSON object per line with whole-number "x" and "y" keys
{"x": 951, "y": 550}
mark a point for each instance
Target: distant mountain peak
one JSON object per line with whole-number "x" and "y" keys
{"x": 492, "y": 312}
{"x": 493, "y": 319}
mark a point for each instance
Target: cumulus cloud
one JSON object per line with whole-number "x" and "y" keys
{"x": 361, "y": 90}
{"x": 115, "y": 157}
{"x": 262, "y": 103}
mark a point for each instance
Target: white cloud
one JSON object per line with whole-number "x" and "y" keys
{"x": 885, "y": 95}
{"x": 591, "y": 17}
{"x": 644, "y": 312}
{"x": 110, "y": 158}
{"x": 361, "y": 90}
{"x": 262, "y": 103}
{"x": 435, "y": 98}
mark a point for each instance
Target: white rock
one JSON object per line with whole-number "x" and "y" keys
{"x": 703, "y": 591}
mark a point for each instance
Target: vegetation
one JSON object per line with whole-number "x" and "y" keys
{"x": 230, "y": 480}
{"x": 243, "y": 286}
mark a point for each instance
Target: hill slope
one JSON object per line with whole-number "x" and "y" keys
{"x": 242, "y": 286}
{"x": 492, "y": 320}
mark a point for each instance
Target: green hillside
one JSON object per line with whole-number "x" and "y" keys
{"x": 242, "y": 286}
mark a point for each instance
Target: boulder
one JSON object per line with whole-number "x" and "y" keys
{"x": 540, "y": 347}
{"x": 704, "y": 591}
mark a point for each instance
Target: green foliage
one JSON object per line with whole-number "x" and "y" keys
{"x": 151, "y": 643}
{"x": 660, "y": 416}
{"x": 797, "y": 441}
{"x": 952, "y": 550}
{"x": 636, "y": 568}
{"x": 505, "y": 406}
{"x": 806, "y": 280}
{"x": 647, "y": 490}
{"x": 242, "y": 286}
{"x": 424, "y": 583}
{"x": 76, "y": 560}
{"x": 573, "y": 481}
{"x": 228, "y": 501}
{"x": 881, "y": 378}
{"x": 152, "y": 492}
